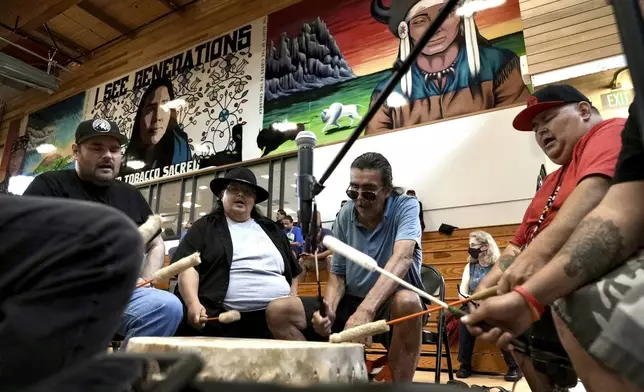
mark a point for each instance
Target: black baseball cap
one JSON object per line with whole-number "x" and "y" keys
{"x": 98, "y": 127}
{"x": 544, "y": 99}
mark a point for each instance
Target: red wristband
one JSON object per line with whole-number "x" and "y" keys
{"x": 531, "y": 300}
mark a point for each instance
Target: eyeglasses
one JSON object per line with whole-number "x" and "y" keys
{"x": 367, "y": 195}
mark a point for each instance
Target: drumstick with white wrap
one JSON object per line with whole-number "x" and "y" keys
{"x": 173, "y": 269}
{"x": 381, "y": 326}
{"x": 366, "y": 262}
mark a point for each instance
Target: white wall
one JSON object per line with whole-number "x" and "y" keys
{"x": 471, "y": 171}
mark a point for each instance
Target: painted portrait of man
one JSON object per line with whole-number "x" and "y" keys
{"x": 458, "y": 71}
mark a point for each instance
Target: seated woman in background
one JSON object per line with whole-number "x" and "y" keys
{"x": 483, "y": 253}
{"x": 246, "y": 262}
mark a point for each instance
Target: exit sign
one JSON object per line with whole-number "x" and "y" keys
{"x": 617, "y": 99}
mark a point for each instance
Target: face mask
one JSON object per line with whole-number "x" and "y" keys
{"x": 474, "y": 252}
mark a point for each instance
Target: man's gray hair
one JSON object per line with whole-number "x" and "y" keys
{"x": 484, "y": 238}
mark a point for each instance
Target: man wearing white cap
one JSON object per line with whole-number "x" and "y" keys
{"x": 458, "y": 72}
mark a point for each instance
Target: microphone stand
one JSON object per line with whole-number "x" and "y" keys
{"x": 400, "y": 69}
{"x": 631, "y": 29}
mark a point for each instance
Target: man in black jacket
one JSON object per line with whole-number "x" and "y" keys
{"x": 246, "y": 262}
{"x": 97, "y": 152}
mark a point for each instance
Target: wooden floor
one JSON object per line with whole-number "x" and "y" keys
{"x": 489, "y": 381}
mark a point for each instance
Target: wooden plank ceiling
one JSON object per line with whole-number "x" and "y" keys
{"x": 562, "y": 33}
{"x": 102, "y": 39}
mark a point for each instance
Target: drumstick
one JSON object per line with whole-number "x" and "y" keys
{"x": 226, "y": 317}
{"x": 150, "y": 229}
{"x": 377, "y": 327}
{"x": 173, "y": 269}
{"x": 317, "y": 277}
{"x": 487, "y": 293}
{"x": 370, "y": 264}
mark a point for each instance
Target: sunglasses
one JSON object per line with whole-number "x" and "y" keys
{"x": 367, "y": 195}
{"x": 238, "y": 188}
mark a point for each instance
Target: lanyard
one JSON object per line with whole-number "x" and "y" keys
{"x": 546, "y": 209}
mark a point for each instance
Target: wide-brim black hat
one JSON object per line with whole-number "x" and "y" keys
{"x": 239, "y": 175}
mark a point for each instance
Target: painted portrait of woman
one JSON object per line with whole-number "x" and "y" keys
{"x": 458, "y": 71}
{"x": 157, "y": 138}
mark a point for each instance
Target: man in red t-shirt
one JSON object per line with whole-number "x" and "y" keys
{"x": 572, "y": 133}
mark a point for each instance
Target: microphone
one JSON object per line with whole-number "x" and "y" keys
{"x": 305, "y": 142}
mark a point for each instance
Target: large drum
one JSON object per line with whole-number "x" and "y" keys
{"x": 256, "y": 360}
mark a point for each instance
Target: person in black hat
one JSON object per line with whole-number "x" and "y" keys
{"x": 97, "y": 152}
{"x": 246, "y": 262}
{"x": 572, "y": 133}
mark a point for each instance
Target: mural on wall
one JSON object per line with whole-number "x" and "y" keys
{"x": 314, "y": 66}
{"x": 188, "y": 111}
{"x": 46, "y": 143}
{"x": 326, "y": 63}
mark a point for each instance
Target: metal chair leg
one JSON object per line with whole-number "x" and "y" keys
{"x": 439, "y": 347}
{"x": 448, "y": 353}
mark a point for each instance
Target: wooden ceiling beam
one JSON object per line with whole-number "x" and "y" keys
{"x": 170, "y": 4}
{"x": 30, "y": 14}
{"x": 42, "y": 33}
{"x": 107, "y": 19}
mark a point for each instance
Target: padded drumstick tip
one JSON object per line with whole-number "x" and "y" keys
{"x": 361, "y": 331}
{"x": 229, "y": 317}
{"x": 337, "y": 246}
{"x": 175, "y": 269}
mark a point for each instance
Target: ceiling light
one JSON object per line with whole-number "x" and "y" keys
{"x": 136, "y": 164}
{"x": 396, "y": 100}
{"x": 471, "y": 7}
{"x": 18, "y": 184}
{"x": 202, "y": 214}
{"x": 175, "y": 104}
{"x": 203, "y": 187}
{"x": 265, "y": 176}
{"x": 187, "y": 204}
{"x": 188, "y": 194}
{"x": 294, "y": 186}
{"x": 46, "y": 148}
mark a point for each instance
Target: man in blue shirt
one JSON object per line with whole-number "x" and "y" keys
{"x": 294, "y": 235}
{"x": 383, "y": 223}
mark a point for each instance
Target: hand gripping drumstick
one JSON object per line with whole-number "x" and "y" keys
{"x": 381, "y": 326}
{"x": 226, "y": 317}
{"x": 173, "y": 269}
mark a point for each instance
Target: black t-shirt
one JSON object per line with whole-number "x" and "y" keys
{"x": 66, "y": 184}
{"x": 630, "y": 165}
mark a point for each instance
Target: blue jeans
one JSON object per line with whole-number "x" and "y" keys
{"x": 150, "y": 312}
